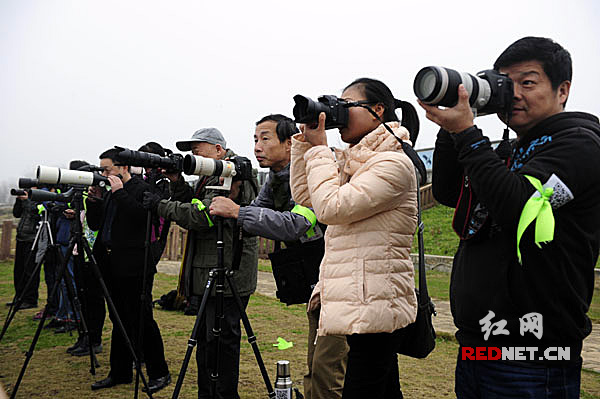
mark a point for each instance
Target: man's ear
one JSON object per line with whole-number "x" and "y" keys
{"x": 563, "y": 92}
{"x": 288, "y": 144}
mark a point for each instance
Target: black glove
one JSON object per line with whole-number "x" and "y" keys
{"x": 151, "y": 201}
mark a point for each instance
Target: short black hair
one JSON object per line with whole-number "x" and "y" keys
{"x": 286, "y": 127}
{"x": 112, "y": 154}
{"x": 555, "y": 60}
{"x": 153, "y": 147}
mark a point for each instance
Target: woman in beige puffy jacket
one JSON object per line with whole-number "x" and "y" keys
{"x": 366, "y": 195}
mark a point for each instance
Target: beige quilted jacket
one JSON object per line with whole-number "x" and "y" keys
{"x": 367, "y": 196}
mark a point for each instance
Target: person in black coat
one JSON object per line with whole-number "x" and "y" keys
{"x": 119, "y": 249}
{"x": 529, "y": 223}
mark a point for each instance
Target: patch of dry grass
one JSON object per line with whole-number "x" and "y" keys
{"x": 54, "y": 374}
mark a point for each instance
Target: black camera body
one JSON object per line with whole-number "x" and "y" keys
{"x": 307, "y": 111}
{"x": 490, "y": 91}
{"x": 172, "y": 163}
{"x": 243, "y": 168}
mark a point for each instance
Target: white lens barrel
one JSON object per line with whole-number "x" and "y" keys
{"x": 201, "y": 166}
{"x": 51, "y": 175}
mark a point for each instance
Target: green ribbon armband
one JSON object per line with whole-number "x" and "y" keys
{"x": 537, "y": 208}
{"x": 309, "y": 215}
{"x": 40, "y": 209}
{"x": 202, "y": 208}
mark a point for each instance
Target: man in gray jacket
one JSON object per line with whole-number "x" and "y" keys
{"x": 191, "y": 213}
{"x": 275, "y": 215}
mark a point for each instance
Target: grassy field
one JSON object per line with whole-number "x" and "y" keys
{"x": 53, "y": 373}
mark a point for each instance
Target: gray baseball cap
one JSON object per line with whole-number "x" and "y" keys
{"x": 206, "y": 135}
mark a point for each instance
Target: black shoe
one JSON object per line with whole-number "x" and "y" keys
{"x": 27, "y": 305}
{"x": 81, "y": 341}
{"x": 10, "y": 303}
{"x": 108, "y": 382}
{"x": 54, "y": 323}
{"x": 66, "y": 327}
{"x": 84, "y": 350}
{"x": 158, "y": 384}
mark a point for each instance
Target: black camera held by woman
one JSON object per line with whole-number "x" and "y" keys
{"x": 489, "y": 91}
{"x": 307, "y": 111}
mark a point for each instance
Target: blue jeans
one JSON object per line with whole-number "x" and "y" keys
{"x": 65, "y": 310}
{"x": 491, "y": 379}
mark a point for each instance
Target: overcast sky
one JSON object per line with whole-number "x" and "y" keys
{"x": 78, "y": 77}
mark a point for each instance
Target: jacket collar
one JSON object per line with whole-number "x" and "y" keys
{"x": 379, "y": 140}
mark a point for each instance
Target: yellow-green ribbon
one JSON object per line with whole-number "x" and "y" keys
{"x": 309, "y": 215}
{"x": 40, "y": 209}
{"x": 282, "y": 344}
{"x": 202, "y": 208}
{"x": 540, "y": 210}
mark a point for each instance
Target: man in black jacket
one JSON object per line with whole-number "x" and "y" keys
{"x": 119, "y": 249}
{"x": 523, "y": 275}
{"x": 27, "y": 211}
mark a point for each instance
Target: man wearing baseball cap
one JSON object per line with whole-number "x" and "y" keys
{"x": 191, "y": 212}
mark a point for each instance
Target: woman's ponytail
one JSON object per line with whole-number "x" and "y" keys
{"x": 410, "y": 119}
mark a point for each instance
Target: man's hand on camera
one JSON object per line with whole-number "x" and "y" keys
{"x": 115, "y": 183}
{"x": 455, "y": 119}
{"x": 172, "y": 176}
{"x": 94, "y": 192}
{"x": 69, "y": 213}
{"x": 315, "y": 136}
{"x": 224, "y": 207}
{"x": 150, "y": 201}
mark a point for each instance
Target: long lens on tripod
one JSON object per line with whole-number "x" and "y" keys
{"x": 52, "y": 175}
{"x": 43, "y": 195}
{"x": 201, "y": 166}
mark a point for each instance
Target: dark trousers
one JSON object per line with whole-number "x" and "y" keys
{"x": 23, "y": 270}
{"x": 229, "y": 361}
{"x": 125, "y": 293}
{"x": 50, "y": 262}
{"x": 372, "y": 367}
{"x": 494, "y": 379}
{"x": 92, "y": 300}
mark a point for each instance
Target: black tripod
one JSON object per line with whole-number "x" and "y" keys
{"x": 75, "y": 196}
{"x": 217, "y": 277}
{"x": 44, "y": 228}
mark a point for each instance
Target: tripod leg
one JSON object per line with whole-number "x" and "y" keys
{"x": 193, "y": 341}
{"x": 14, "y": 307}
{"x": 76, "y": 306}
{"x": 251, "y": 337}
{"x": 36, "y": 336}
{"x": 119, "y": 324}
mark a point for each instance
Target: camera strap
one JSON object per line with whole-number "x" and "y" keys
{"x": 407, "y": 148}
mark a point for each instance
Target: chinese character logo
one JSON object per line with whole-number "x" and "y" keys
{"x": 532, "y": 322}
{"x": 496, "y": 328}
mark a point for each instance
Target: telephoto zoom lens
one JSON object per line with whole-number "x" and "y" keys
{"x": 439, "y": 86}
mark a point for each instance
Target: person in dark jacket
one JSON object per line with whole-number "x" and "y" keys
{"x": 190, "y": 211}
{"x": 529, "y": 220}
{"x": 275, "y": 215}
{"x": 120, "y": 221}
{"x": 24, "y": 266}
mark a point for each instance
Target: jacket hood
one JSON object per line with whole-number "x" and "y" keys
{"x": 561, "y": 122}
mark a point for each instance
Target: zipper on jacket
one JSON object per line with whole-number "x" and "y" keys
{"x": 464, "y": 186}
